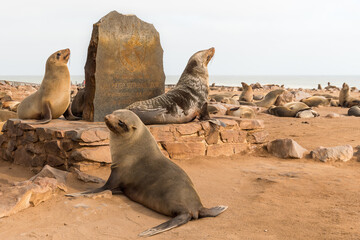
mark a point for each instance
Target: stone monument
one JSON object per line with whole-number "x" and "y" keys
{"x": 124, "y": 64}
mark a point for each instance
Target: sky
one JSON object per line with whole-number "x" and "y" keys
{"x": 251, "y": 37}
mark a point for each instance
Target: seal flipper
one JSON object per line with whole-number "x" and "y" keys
{"x": 212, "y": 212}
{"x": 68, "y": 115}
{"x": 204, "y": 113}
{"x": 46, "y": 114}
{"x": 172, "y": 223}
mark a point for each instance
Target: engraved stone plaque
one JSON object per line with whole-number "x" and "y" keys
{"x": 124, "y": 65}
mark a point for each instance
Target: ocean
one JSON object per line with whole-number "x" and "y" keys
{"x": 226, "y": 80}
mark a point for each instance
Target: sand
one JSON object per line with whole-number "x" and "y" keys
{"x": 268, "y": 197}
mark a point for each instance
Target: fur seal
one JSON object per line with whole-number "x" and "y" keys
{"x": 53, "y": 97}
{"x": 268, "y": 100}
{"x": 78, "y": 103}
{"x": 345, "y": 100}
{"x": 186, "y": 101}
{"x": 247, "y": 93}
{"x": 146, "y": 176}
{"x": 354, "y": 111}
{"x": 316, "y": 101}
{"x": 288, "y": 110}
{"x": 241, "y": 112}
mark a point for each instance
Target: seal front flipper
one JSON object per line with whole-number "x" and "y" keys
{"x": 172, "y": 223}
{"x": 45, "y": 114}
{"x": 204, "y": 112}
{"x": 68, "y": 115}
{"x": 90, "y": 192}
{"x": 212, "y": 212}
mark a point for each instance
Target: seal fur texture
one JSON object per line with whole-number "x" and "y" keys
{"x": 247, "y": 93}
{"x": 53, "y": 97}
{"x": 269, "y": 99}
{"x": 345, "y": 100}
{"x": 146, "y": 176}
{"x": 316, "y": 101}
{"x": 186, "y": 101}
{"x": 241, "y": 112}
{"x": 354, "y": 111}
{"x": 288, "y": 110}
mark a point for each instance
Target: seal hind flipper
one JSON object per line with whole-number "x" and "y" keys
{"x": 46, "y": 114}
{"x": 68, "y": 115}
{"x": 172, "y": 223}
{"x": 212, "y": 212}
{"x": 79, "y": 194}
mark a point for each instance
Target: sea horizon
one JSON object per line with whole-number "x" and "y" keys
{"x": 289, "y": 81}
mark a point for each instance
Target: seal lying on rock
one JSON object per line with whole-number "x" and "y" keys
{"x": 345, "y": 100}
{"x": 186, "y": 101}
{"x": 146, "y": 176}
{"x": 53, "y": 97}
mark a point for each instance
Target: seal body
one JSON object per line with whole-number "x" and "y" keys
{"x": 345, "y": 100}
{"x": 146, "y": 176}
{"x": 53, "y": 97}
{"x": 186, "y": 101}
{"x": 316, "y": 101}
{"x": 288, "y": 110}
{"x": 354, "y": 111}
{"x": 241, "y": 112}
{"x": 247, "y": 93}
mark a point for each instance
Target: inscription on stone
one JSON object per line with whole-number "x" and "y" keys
{"x": 124, "y": 65}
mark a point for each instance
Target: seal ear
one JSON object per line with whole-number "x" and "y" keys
{"x": 191, "y": 65}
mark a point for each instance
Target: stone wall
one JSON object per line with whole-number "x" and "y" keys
{"x": 85, "y": 145}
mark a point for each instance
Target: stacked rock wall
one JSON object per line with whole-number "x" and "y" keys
{"x": 85, "y": 145}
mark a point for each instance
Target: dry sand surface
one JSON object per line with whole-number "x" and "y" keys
{"x": 268, "y": 198}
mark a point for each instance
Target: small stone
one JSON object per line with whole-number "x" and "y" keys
{"x": 338, "y": 153}
{"x": 285, "y": 148}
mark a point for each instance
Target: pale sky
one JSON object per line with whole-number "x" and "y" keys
{"x": 251, "y": 37}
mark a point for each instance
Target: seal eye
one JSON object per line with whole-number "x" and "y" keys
{"x": 58, "y": 55}
{"x": 123, "y": 125}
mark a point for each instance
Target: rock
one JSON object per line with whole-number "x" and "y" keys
{"x": 188, "y": 128}
{"x": 258, "y": 137}
{"x": 219, "y": 150}
{"x": 28, "y": 193}
{"x": 124, "y": 65}
{"x": 86, "y": 177}
{"x": 332, "y": 115}
{"x": 183, "y": 150}
{"x": 286, "y": 148}
{"x": 251, "y": 124}
{"x": 95, "y": 154}
{"x": 307, "y": 114}
{"x": 298, "y": 95}
{"x": 338, "y": 153}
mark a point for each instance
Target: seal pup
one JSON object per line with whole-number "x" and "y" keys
{"x": 53, "y": 97}
{"x": 146, "y": 176}
{"x": 316, "y": 101}
{"x": 247, "y": 93}
{"x": 241, "y": 112}
{"x": 354, "y": 111}
{"x": 345, "y": 100}
{"x": 186, "y": 101}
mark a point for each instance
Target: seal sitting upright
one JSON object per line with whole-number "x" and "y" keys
{"x": 186, "y": 101}
{"x": 146, "y": 176}
{"x": 53, "y": 97}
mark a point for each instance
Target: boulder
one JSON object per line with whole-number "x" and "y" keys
{"x": 286, "y": 148}
{"x": 338, "y": 153}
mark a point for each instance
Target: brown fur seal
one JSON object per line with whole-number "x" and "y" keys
{"x": 345, "y": 100}
{"x": 268, "y": 100}
{"x": 78, "y": 103}
{"x": 288, "y": 110}
{"x": 316, "y": 101}
{"x": 354, "y": 111}
{"x": 146, "y": 176}
{"x": 247, "y": 93}
{"x": 5, "y": 115}
{"x": 241, "y": 112}
{"x": 53, "y": 97}
{"x": 186, "y": 101}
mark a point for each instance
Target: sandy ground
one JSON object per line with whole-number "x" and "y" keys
{"x": 268, "y": 198}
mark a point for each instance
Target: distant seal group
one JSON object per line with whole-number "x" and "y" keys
{"x": 146, "y": 176}
{"x": 186, "y": 101}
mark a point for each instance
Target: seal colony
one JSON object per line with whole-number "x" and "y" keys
{"x": 146, "y": 176}
{"x": 186, "y": 101}
{"x": 53, "y": 97}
